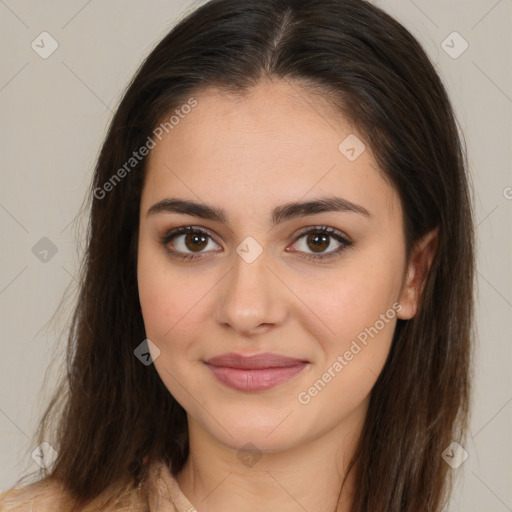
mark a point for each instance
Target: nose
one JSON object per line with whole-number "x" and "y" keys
{"x": 251, "y": 298}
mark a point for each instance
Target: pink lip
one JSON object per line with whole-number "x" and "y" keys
{"x": 254, "y": 373}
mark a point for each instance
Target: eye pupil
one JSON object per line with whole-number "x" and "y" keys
{"x": 320, "y": 241}
{"x": 198, "y": 241}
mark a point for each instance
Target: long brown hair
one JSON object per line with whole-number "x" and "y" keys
{"x": 113, "y": 413}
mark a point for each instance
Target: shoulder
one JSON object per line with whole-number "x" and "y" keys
{"x": 50, "y": 496}
{"x": 40, "y": 496}
{"x": 161, "y": 491}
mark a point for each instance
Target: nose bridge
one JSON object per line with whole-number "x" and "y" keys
{"x": 251, "y": 294}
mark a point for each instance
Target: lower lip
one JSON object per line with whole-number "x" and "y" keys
{"x": 255, "y": 380}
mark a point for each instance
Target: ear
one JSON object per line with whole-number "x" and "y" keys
{"x": 418, "y": 268}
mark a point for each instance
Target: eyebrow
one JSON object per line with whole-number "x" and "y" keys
{"x": 279, "y": 214}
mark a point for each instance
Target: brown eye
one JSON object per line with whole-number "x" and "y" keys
{"x": 189, "y": 241}
{"x": 314, "y": 242}
{"x": 186, "y": 241}
{"x": 195, "y": 242}
{"x": 318, "y": 242}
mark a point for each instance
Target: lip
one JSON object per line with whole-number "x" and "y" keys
{"x": 256, "y": 372}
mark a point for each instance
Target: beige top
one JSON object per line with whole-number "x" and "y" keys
{"x": 162, "y": 494}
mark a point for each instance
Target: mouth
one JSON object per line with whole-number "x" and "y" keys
{"x": 254, "y": 373}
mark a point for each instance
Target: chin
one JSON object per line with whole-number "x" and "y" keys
{"x": 269, "y": 431}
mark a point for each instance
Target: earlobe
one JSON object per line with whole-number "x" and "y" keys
{"x": 418, "y": 268}
{"x": 409, "y": 301}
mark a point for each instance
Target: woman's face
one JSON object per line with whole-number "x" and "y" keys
{"x": 320, "y": 329}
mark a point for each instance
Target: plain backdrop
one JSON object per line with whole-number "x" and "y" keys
{"x": 54, "y": 114}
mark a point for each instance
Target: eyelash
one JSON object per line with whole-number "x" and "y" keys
{"x": 324, "y": 230}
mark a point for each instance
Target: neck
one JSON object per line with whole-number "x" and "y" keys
{"x": 312, "y": 476}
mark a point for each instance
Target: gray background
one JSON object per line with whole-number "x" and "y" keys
{"x": 54, "y": 113}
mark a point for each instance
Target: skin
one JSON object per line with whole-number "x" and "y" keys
{"x": 275, "y": 145}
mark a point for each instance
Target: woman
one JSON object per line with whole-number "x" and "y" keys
{"x": 276, "y": 302}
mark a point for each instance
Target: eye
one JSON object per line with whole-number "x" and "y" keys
{"x": 189, "y": 241}
{"x": 319, "y": 239}
{"x": 187, "y": 238}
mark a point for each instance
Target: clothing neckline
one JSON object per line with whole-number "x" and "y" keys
{"x": 165, "y": 494}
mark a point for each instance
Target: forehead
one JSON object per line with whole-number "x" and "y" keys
{"x": 277, "y": 143}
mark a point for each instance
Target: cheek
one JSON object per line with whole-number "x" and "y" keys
{"x": 361, "y": 324}
{"x": 354, "y": 297}
{"x": 162, "y": 295}
{"x": 168, "y": 314}
{"x": 173, "y": 302}
{"x": 358, "y": 307}
{"x": 167, "y": 309}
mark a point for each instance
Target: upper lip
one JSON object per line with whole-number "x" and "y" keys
{"x": 254, "y": 362}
